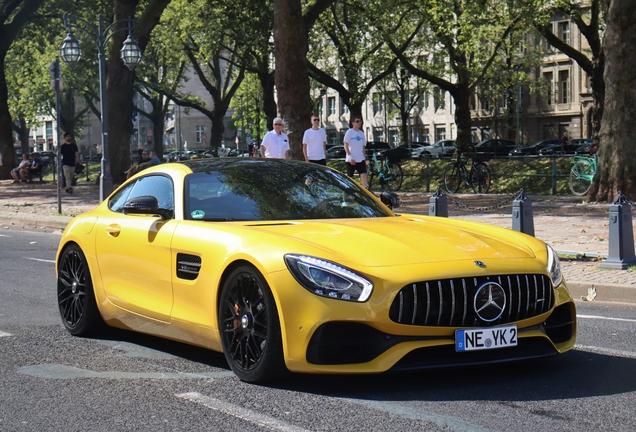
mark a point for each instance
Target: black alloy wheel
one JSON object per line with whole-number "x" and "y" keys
{"x": 75, "y": 296}
{"x": 250, "y": 328}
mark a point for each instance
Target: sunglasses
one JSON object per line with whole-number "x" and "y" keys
{"x": 278, "y": 124}
{"x": 315, "y": 119}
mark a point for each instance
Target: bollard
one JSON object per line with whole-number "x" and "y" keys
{"x": 621, "y": 236}
{"x": 438, "y": 204}
{"x": 522, "y": 214}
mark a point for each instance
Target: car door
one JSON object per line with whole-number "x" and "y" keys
{"x": 133, "y": 251}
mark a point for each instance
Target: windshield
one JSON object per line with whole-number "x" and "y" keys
{"x": 249, "y": 191}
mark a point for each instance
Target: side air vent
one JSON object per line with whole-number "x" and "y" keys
{"x": 188, "y": 266}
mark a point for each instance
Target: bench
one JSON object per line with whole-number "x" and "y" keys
{"x": 38, "y": 174}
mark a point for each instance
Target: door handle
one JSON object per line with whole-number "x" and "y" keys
{"x": 113, "y": 230}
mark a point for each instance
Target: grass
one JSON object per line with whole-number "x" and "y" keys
{"x": 534, "y": 175}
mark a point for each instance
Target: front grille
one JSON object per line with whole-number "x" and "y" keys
{"x": 450, "y": 302}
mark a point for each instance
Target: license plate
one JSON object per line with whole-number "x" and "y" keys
{"x": 485, "y": 338}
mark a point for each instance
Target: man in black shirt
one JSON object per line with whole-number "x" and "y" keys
{"x": 70, "y": 158}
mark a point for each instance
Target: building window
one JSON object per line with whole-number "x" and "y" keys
{"x": 564, "y": 31}
{"x": 378, "y": 134}
{"x": 440, "y": 133}
{"x": 549, "y": 78}
{"x": 485, "y": 103}
{"x": 331, "y": 104}
{"x": 200, "y": 130}
{"x": 394, "y": 136}
{"x": 564, "y": 87}
{"x": 49, "y": 130}
{"x": 344, "y": 109}
{"x": 332, "y": 136}
{"x": 377, "y": 103}
{"x": 427, "y": 135}
{"x": 320, "y": 109}
{"x": 439, "y": 101}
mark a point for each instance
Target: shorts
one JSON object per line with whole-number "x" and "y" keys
{"x": 319, "y": 161}
{"x": 361, "y": 167}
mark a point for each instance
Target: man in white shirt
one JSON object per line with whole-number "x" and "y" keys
{"x": 355, "y": 144}
{"x": 315, "y": 143}
{"x": 275, "y": 144}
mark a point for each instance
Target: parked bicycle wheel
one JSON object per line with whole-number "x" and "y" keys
{"x": 393, "y": 176}
{"x": 452, "y": 177}
{"x": 581, "y": 176}
{"x": 480, "y": 178}
{"x": 372, "y": 176}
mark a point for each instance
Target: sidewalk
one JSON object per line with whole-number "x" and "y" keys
{"x": 571, "y": 227}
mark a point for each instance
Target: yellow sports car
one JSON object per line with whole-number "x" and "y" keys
{"x": 289, "y": 266}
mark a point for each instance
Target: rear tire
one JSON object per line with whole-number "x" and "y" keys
{"x": 480, "y": 176}
{"x": 395, "y": 178}
{"x": 580, "y": 174}
{"x": 75, "y": 295}
{"x": 452, "y": 177}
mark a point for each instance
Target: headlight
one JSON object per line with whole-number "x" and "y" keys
{"x": 328, "y": 279}
{"x": 554, "y": 267}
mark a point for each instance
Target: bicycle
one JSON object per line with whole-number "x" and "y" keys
{"x": 388, "y": 172}
{"x": 457, "y": 172}
{"x": 582, "y": 174}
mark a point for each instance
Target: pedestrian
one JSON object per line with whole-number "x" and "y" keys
{"x": 275, "y": 143}
{"x": 250, "y": 149}
{"x": 15, "y": 172}
{"x": 355, "y": 147}
{"x": 70, "y": 158}
{"x": 315, "y": 143}
{"x": 564, "y": 141}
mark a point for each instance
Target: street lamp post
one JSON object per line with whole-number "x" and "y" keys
{"x": 130, "y": 55}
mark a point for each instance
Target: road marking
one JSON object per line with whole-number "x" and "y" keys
{"x": 601, "y": 350}
{"x": 58, "y": 371}
{"x": 3, "y": 334}
{"x": 41, "y": 260}
{"x": 606, "y": 318}
{"x": 241, "y": 413}
{"x": 417, "y": 414}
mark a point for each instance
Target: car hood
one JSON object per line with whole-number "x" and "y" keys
{"x": 406, "y": 239}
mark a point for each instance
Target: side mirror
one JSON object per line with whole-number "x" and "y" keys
{"x": 145, "y": 205}
{"x": 390, "y": 199}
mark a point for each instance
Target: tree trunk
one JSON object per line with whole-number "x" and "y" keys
{"x": 292, "y": 79}
{"x": 461, "y": 98}
{"x": 23, "y": 132}
{"x": 617, "y": 151}
{"x": 6, "y": 135}
{"x": 218, "y": 128}
{"x": 266, "y": 79}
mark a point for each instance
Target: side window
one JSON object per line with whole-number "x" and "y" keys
{"x": 155, "y": 185}
{"x": 118, "y": 200}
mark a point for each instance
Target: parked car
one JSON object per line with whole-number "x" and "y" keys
{"x": 47, "y": 157}
{"x": 494, "y": 147}
{"x": 440, "y": 149}
{"x": 534, "y": 149}
{"x": 336, "y": 152}
{"x": 583, "y": 146}
{"x": 377, "y": 146}
{"x": 271, "y": 274}
{"x": 559, "y": 149}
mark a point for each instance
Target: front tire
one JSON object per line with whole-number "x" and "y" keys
{"x": 75, "y": 295}
{"x": 250, "y": 328}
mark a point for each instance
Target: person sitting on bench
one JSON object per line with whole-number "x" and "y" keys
{"x": 32, "y": 170}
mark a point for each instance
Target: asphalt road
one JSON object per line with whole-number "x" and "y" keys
{"x": 52, "y": 381}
